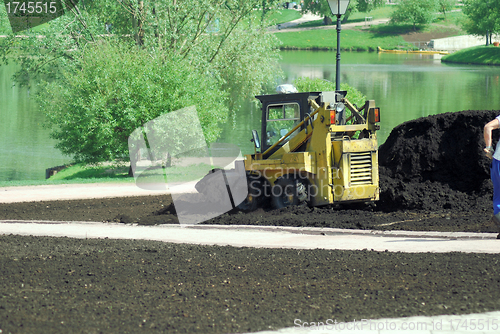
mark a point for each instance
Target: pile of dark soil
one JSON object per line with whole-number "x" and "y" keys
{"x": 62, "y": 285}
{"x": 437, "y": 162}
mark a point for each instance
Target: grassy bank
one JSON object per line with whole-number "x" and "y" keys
{"x": 281, "y": 15}
{"x": 80, "y": 173}
{"x": 480, "y": 55}
{"x": 387, "y": 36}
{"x": 353, "y": 40}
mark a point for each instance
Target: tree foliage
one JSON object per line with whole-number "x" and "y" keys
{"x": 113, "y": 89}
{"x": 305, "y": 84}
{"x": 321, "y": 7}
{"x": 483, "y": 17}
{"x": 446, "y": 6}
{"x": 206, "y": 52}
{"x": 366, "y": 6}
{"x": 417, "y": 12}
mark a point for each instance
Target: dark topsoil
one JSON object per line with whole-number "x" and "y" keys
{"x": 62, "y": 285}
{"x": 433, "y": 176}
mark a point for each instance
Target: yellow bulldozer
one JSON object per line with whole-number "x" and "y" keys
{"x": 316, "y": 148}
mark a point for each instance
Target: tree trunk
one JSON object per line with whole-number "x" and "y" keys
{"x": 140, "y": 32}
{"x": 137, "y": 23}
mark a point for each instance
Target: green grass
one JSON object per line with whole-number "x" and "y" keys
{"x": 452, "y": 19}
{"x": 20, "y": 183}
{"x": 379, "y": 13}
{"x": 480, "y": 55}
{"x": 402, "y": 29}
{"x": 280, "y": 16}
{"x": 117, "y": 173}
{"x": 352, "y": 40}
{"x": 80, "y": 173}
{"x": 387, "y": 36}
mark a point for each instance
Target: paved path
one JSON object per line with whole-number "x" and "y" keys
{"x": 343, "y": 26}
{"x": 267, "y": 236}
{"x": 307, "y": 17}
{"x": 84, "y": 191}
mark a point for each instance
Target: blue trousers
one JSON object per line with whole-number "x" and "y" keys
{"x": 495, "y": 178}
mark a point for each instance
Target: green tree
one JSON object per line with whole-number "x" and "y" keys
{"x": 112, "y": 89}
{"x": 446, "y": 6}
{"x": 417, "y": 12}
{"x": 321, "y": 7}
{"x": 366, "y": 6}
{"x": 305, "y": 84}
{"x": 222, "y": 35}
{"x": 482, "y": 17}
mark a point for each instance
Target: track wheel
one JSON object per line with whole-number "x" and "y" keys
{"x": 256, "y": 194}
{"x": 288, "y": 190}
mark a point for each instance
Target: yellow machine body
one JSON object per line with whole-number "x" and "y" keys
{"x": 339, "y": 161}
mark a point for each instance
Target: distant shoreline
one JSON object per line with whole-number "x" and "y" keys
{"x": 478, "y": 55}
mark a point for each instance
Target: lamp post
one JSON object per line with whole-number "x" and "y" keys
{"x": 338, "y": 8}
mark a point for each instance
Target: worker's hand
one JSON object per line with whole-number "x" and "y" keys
{"x": 489, "y": 152}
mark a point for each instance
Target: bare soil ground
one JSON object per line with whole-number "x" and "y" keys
{"x": 444, "y": 32}
{"x": 62, "y": 285}
{"x": 434, "y": 177}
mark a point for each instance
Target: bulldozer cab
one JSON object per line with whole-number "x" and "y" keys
{"x": 282, "y": 112}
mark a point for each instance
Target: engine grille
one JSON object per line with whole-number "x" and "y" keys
{"x": 361, "y": 168}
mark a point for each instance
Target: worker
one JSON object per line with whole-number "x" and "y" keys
{"x": 495, "y": 167}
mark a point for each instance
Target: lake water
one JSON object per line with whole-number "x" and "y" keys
{"x": 404, "y": 86}
{"x": 26, "y": 149}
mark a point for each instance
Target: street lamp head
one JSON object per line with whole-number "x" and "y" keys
{"x": 338, "y": 7}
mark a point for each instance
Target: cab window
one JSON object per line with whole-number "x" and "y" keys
{"x": 280, "y": 120}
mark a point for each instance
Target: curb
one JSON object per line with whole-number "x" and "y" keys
{"x": 327, "y": 231}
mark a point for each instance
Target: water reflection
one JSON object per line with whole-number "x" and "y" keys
{"x": 26, "y": 149}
